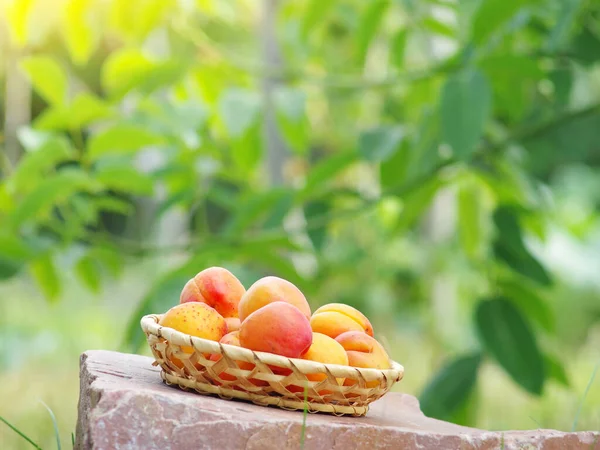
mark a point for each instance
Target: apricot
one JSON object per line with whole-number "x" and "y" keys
{"x": 195, "y": 319}
{"x": 234, "y": 339}
{"x": 218, "y": 288}
{"x": 268, "y": 290}
{"x": 278, "y": 328}
{"x": 233, "y": 324}
{"x": 364, "y": 351}
{"x": 327, "y": 351}
{"x": 336, "y": 318}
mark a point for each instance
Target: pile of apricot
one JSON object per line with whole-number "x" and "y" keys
{"x": 274, "y": 316}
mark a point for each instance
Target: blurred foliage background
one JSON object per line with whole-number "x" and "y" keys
{"x": 434, "y": 163}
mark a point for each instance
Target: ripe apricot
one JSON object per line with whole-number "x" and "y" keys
{"x": 364, "y": 351}
{"x": 336, "y": 318}
{"x": 278, "y": 328}
{"x": 195, "y": 319}
{"x": 268, "y": 290}
{"x": 218, "y": 288}
{"x": 234, "y": 339}
{"x": 327, "y": 351}
{"x": 233, "y": 324}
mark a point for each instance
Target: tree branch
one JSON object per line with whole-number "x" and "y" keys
{"x": 545, "y": 126}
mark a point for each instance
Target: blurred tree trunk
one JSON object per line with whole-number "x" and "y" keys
{"x": 17, "y": 106}
{"x": 276, "y": 151}
{"x": 441, "y": 226}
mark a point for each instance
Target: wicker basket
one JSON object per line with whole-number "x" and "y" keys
{"x": 263, "y": 378}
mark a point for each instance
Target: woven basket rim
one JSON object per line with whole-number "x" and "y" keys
{"x": 149, "y": 324}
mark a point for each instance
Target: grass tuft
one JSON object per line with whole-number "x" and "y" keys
{"x": 585, "y": 393}
{"x": 20, "y": 433}
{"x": 55, "y": 424}
{"x": 304, "y": 416}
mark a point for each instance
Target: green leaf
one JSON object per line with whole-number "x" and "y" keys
{"x": 84, "y": 109}
{"x": 129, "y": 69}
{"x": 394, "y": 170}
{"x": 521, "y": 261}
{"x": 316, "y": 10}
{"x": 46, "y": 276}
{"x": 529, "y": 302}
{"x": 280, "y": 210}
{"x": 79, "y": 31}
{"x": 47, "y": 78}
{"x": 124, "y": 178}
{"x": 326, "y": 170}
{"x": 437, "y": 27}
{"x": 184, "y": 197}
{"x": 513, "y": 79}
{"x": 451, "y": 387}
{"x": 416, "y": 202}
{"x": 465, "y": 107}
{"x": 469, "y": 218}
{"x": 87, "y": 108}
{"x": 36, "y": 164}
{"x": 585, "y": 47}
{"x": 88, "y": 271}
{"x": 246, "y": 150}
{"x": 291, "y": 118}
{"x": 109, "y": 257}
{"x": 18, "y": 16}
{"x": 57, "y": 117}
{"x": 123, "y": 69}
{"x": 562, "y": 79}
{"x": 14, "y": 253}
{"x": 398, "y": 47}
{"x": 424, "y": 149}
{"x": 239, "y": 110}
{"x": 120, "y": 139}
{"x": 369, "y": 24}
{"x": 50, "y": 191}
{"x": 566, "y": 14}
{"x": 85, "y": 210}
{"x": 379, "y": 144}
{"x": 253, "y": 207}
{"x": 556, "y": 370}
{"x": 317, "y": 234}
{"x": 577, "y": 133}
{"x": 492, "y": 15}
{"x": 506, "y": 335}
{"x": 113, "y": 204}
{"x": 509, "y": 247}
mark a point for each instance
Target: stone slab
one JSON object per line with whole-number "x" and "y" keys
{"x": 125, "y": 405}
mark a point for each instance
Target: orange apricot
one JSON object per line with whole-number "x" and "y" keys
{"x": 218, "y": 288}
{"x": 336, "y": 318}
{"x": 269, "y": 290}
{"x": 278, "y": 328}
{"x": 364, "y": 351}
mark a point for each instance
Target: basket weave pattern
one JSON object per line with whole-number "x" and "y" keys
{"x": 263, "y": 378}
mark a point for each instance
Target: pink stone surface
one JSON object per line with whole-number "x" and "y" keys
{"x": 125, "y": 405}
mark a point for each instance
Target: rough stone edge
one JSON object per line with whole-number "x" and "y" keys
{"x": 89, "y": 398}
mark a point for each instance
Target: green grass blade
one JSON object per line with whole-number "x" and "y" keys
{"x": 73, "y": 439}
{"x": 304, "y": 416}
{"x": 585, "y": 393}
{"x": 56, "y": 433}
{"x": 20, "y": 433}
